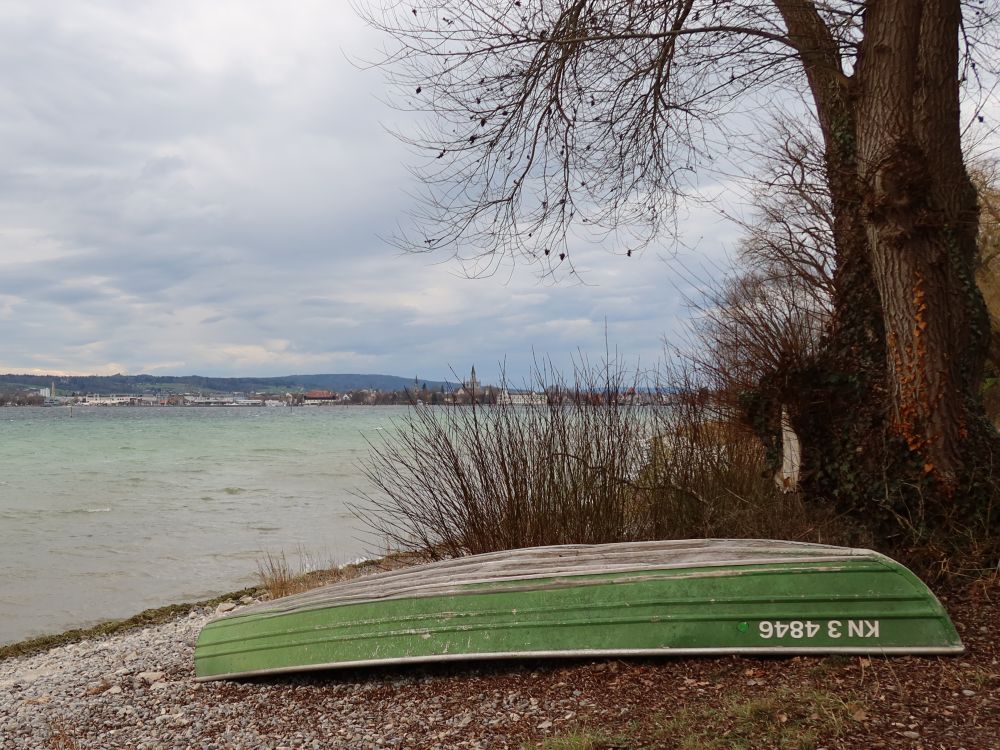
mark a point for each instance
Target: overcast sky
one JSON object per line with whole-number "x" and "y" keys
{"x": 199, "y": 187}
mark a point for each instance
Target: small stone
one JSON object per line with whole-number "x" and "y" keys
{"x": 114, "y": 690}
{"x": 911, "y": 735}
{"x": 247, "y": 600}
{"x": 150, "y": 677}
{"x": 968, "y": 693}
{"x": 545, "y": 725}
{"x": 226, "y": 606}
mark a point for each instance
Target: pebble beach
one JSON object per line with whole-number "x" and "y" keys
{"x": 136, "y": 689}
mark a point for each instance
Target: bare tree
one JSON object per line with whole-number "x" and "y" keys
{"x": 548, "y": 117}
{"x": 986, "y": 177}
{"x": 769, "y": 313}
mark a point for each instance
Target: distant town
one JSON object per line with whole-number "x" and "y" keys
{"x": 439, "y": 394}
{"x": 468, "y": 392}
{"x": 314, "y": 398}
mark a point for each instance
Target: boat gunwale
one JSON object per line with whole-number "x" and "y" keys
{"x": 600, "y": 654}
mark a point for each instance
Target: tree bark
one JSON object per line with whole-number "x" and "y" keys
{"x": 837, "y": 406}
{"x": 903, "y": 430}
{"x": 921, "y": 217}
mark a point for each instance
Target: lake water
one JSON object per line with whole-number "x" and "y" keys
{"x": 108, "y": 511}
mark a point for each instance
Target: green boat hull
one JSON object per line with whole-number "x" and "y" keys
{"x": 652, "y": 598}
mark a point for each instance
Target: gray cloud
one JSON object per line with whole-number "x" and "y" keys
{"x": 200, "y": 187}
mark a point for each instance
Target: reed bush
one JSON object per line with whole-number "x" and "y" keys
{"x": 277, "y": 577}
{"x": 610, "y": 457}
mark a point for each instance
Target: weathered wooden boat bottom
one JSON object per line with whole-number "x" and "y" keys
{"x": 662, "y": 599}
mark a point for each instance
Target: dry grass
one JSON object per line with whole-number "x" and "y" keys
{"x": 594, "y": 465}
{"x": 582, "y": 741}
{"x": 60, "y": 737}
{"x": 277, "y": 577}
{"x": 783, "y": 719}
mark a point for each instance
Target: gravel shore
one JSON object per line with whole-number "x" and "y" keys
{"x": 136, "y": 689}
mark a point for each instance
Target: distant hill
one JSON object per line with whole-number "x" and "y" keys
{"x": 124, "y": 384}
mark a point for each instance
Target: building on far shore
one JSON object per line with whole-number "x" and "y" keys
{"x": 470, "y": 386}
{"x": 522, "y": 398}
{"x": 319, "y": 397}
{"x": 117, "y": 400}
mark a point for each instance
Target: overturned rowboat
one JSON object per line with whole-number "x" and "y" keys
{"x": 705, "y": 596}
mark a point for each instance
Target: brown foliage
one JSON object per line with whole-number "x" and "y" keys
{"x": 464, "y": 480}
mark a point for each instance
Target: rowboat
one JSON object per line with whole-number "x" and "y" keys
{"x": 704, "y": 596}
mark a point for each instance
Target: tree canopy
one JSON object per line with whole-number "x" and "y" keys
{"x": 547, "y": 118}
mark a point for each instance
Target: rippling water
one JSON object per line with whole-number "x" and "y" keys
{"x": 107, "y": 511}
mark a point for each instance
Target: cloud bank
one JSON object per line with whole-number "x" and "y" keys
{"x": 193, "y": 187}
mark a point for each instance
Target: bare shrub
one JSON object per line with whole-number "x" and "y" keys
{"x": 610, "y": 457}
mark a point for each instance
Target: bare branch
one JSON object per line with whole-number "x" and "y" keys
{"x": 549, "y": 121}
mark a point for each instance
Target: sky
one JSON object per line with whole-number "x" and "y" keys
{"x": 192, "y": 187}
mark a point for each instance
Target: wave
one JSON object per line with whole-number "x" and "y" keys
{"x": 15, "y": 514}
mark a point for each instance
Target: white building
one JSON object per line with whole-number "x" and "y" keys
{"x": 524, "y": 398}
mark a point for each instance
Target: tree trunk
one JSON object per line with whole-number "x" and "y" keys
{"x": 921, "y": 217}
{"x": 897, "y": 433}
{"x": 837, "y": 406}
